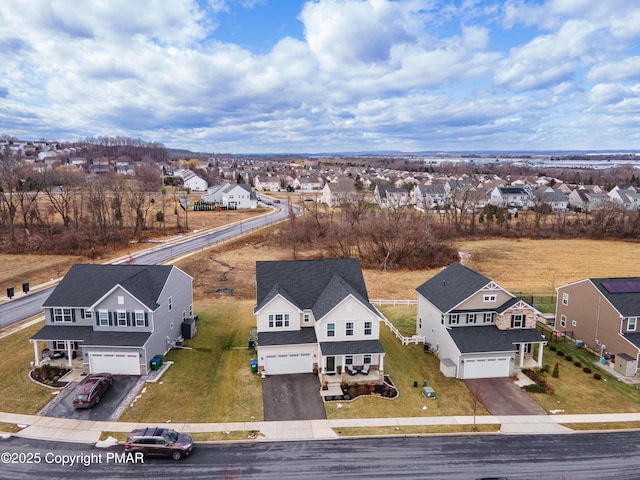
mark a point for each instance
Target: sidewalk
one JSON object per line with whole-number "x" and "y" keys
{"x": 86, "y": 431}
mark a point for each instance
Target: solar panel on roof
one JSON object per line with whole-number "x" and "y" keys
{"x": 622, "y": 286}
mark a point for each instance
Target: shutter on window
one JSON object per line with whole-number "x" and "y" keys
{"x": 146, "y": 319}
{"x": 110, "y": 319}
{"x": 73, "y": 314}
{"x": 97, "y": 319}
{"x": 82, "y": 313}
{"x": 128, "y": 319}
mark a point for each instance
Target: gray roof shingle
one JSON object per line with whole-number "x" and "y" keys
{"x": 628, "y": 304}
{"x": 84, "y": 284}
{"x": 357, "y": 347}
{"x": 288, "y": 337}
{"x": 90, "y": 337}
{"x": 451, "y": 286}
{"x": 489, "y": 338}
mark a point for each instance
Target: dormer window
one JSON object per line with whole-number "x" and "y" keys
{"x": 632, "y": 323}
{"x": 453, "y": 319}
{"x": 489, "y": 298}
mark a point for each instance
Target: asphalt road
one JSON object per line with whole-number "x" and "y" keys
{"x": 31, "y": 304}
{"x": 517, "y": 457}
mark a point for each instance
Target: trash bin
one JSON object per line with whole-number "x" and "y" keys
{"x": 155, "y": 363}
{"x": 159, "y": 359}
{"x": 254, "y": 365}
{"x": 252, "y": 344}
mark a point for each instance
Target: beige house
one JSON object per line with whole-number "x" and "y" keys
{"x": 603, "y": 313}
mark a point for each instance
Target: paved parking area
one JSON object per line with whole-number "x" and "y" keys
{"x": 501, "y": 396}
{"x": 292, "y": 397}
{"x": 61, "y": 406}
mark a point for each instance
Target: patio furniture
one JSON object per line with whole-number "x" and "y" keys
{"x": 365, "y": 370}
{"x": 351, "y": 370}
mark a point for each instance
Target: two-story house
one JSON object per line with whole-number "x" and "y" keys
{"x": 115, "y": 318}
{"x": 340, "y": 192}
{"x": 477, "y": 328}
{"x": 315, "y": 315}
{"x": 389, "y": 196}
{"x": 604, "y": 314}
{"x": 234, "y": 196}
{"x": 511, "y": 197}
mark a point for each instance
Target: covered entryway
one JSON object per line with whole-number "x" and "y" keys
{"x": 116, "y": 363}
{"x": 487, "y": 367}
{"x": 287, "y": 363}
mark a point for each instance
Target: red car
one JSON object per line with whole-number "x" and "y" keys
{"x": 91, "y": 389}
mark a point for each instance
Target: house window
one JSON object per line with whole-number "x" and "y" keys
{"x": 489, "y": 298}
{"x": 103, "y": 317}
{"x": 348, "y": 360}
{"x": 517, "y": 320}
{"x": 563, "y": 320}
{"x": 349, "y": 329}
{"x": 306, "y": 317}
{"x": 367, "y": 359}
{"x": 190, "y": 311}
{"x": 184, "y": 315}
{"x": 122, "y": 318}
{"x": 139, "y": 319}
{"x": 62, "y": 315}
{"x": 120, "y": 300}
{"x": 453, "y": 319}
{"x": 331, "y": 329}
{"x": 368, "y": 328}
{"x": 631, "y": 323}
{"x": 59, "y": 345}
{"x": 565, "y": 299}
{"x": 488, "y": 317}
{"x": 170, "y": 304}
{"x": 471, "y": 318}
{"x": 88, "y": 313}
{"x": 574, "y": 323}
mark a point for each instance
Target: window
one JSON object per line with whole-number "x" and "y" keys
{"x": 565, "y": 299}
{"x": 631, "y": 323}
{"x": 120, "y": 300}
{"x": 453, "y": 319}
{"x": 59, "y": 345}
{"x": 349, "y": 329}
{"x": 517, "y": 320}
{"x": 306, "y": 317}
{"x": 489, "y": 298}
{"x": 278, "y": 320}
{"x": 184, "y": 315}
{"x": 62, "y": 315}
{"x": 331, "y": 329}
{"x": 368, "y": 327}
{"x": 190, "y": 311}
{"x": 563, "y": 320}
{"x": 348, "y": 360}
{"x": 488, "y": 317}
{"x": 471, "y": 318}
{"x": 170, "y": 304}
{"x": 139, "y": 319}
{"x": 103, "y": 317}
{"x": 574, "y": 323}
{"x": 122, "y": 318}
{"x": 367, "y": 359}
{"x": 88, "y": 313}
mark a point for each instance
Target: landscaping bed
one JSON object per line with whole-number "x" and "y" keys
{"x": 353, "y": 391}
{"x": 49, "y": 376}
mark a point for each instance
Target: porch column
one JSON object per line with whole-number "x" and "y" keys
{"x": 381, "y": 362}
{"x": 540, "y": 347}
{"x": 521, "y": 355}
{"x": 35, "y": 353}
{"x": 67, "y": 344}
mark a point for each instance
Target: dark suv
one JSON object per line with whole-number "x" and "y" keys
{"x": 92, "y": 389}
{"x": 159, "y": 441}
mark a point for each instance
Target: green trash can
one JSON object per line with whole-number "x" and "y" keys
{"x": 155, "y": 364}
{"x": 254, "y": 365}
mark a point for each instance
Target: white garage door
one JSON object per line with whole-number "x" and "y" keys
{"x": 288, "y": 363}
{"x": 116, "y": 363}
{"x": 486, "y": 367}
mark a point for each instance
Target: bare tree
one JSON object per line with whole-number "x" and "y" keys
{"x": 61, "y": 187}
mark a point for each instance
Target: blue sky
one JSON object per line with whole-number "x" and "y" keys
{"x": 285, "y": 76}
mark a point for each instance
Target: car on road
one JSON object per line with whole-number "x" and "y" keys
{"x": 159, "y": 441}
{"x": 92, "y": 388}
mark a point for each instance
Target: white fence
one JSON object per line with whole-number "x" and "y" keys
{"x": 405, "y": 340}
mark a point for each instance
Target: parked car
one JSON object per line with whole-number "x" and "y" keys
{"x": 159, "y": 441}
{"x": 92, "y": 389}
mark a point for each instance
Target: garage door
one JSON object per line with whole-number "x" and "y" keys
{"x": 116, "y": 363}
{"x": 486, "y": 367}
{"x": 288, "y": 363}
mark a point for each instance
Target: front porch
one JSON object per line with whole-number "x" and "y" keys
{"x": 529, "y": 355}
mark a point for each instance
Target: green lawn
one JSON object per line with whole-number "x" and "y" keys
{"x": 403, "y": 317}
{"x": 578, "y": 392}
{"x": 210, "y": 382}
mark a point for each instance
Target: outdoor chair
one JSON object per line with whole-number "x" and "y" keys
{"x": 351, "y": 370}
{"x": 365, "y": 370}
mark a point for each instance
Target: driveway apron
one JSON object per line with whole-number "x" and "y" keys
{"x": 501, "y": 396}
{"x": 292, "y": 397}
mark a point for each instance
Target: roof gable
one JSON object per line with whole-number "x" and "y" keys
{"x": 451, "y": 286}
{"x": 625, "y": 302}
{"x": 85, "y": 284}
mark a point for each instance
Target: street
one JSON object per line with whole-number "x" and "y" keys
{"x": 554, "y": 457}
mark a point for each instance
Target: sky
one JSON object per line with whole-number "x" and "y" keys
{"x": 293, "y": 76}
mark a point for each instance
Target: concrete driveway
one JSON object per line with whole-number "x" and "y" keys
{"x": 62, "y": 407}
{"x": 292, "y": 397}
{"x": 501, "y": 396}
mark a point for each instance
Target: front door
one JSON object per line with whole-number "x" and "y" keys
{"x": 331, "y": 364}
